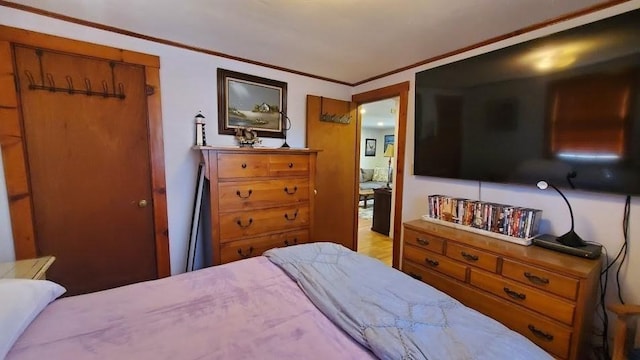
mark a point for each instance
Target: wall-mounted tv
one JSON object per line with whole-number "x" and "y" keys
{"x": 563, "y": 108}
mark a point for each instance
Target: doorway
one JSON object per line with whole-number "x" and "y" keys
{"x": 378, "y": 121}
{"x": 400, "y": 90}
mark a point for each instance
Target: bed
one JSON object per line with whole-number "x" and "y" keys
{"x": 311, "y": 301}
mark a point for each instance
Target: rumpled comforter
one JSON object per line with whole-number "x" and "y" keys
{"x": 394, "y": 315}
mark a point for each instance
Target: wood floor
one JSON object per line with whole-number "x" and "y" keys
{"x": 374, "y": 244}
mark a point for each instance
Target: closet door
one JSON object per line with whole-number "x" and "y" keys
{"x": 89, "y": 167}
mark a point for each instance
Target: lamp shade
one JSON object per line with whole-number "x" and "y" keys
{"x": 389, "y": 151}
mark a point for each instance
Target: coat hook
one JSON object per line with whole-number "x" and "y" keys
{"x": 48, "y": 83}
{"x": 87, "y": 85}
{"x": 70, "y": 84}
{"x": 105, "y": 89}
{"x": 52, "y": 84}
{"x": 32, "y": 82}
{"x": 121, "y": 90}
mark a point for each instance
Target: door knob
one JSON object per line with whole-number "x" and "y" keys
{"x": 142, "y": 203}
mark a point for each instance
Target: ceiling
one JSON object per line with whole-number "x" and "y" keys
{"x": 380, "y": 114}
{"x": 347, "y": 41}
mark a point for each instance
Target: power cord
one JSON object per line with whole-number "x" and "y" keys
{"x": 605, "y": 272}
{"x": 625, "y": 232}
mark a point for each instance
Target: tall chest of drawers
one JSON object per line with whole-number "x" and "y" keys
{"x": 260, "y": 199}
{"x": 546, "y": 296}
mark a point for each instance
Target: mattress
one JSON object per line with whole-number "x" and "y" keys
{"x": 242, "y": 310}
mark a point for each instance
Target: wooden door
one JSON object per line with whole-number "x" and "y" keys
{"x": 335, "y": 217}
{"x": 89, "y": 164}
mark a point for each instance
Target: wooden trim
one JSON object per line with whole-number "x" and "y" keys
{"x": 524, "y": 30}
{"x": 402, "y": 91}
{"x": 356, "y": 170}
{"x": 14, "y": 152}
{"x": 56, "y": 43}
{"x": 158, "y": 182}
{"x": 355, "y": 114}
{"x": 159, "y": 40}
{"x": 13, "y": 155}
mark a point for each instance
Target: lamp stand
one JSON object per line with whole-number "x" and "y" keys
{"x": 571, "y": 239}
{"x": 285, "y": 129}
{"x": 285, "y": 145}
{"x": 389, "y": 174}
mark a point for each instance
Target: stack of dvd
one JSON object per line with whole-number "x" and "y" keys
{"x": 503, "y": 219}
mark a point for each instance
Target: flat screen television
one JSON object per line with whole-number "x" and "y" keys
{"x": 564, "y": 108}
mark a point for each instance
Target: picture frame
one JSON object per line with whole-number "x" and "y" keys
{"x": 247, "y": 101}
{"x": 388, "y": 139}
{"x": 370, "y": 147}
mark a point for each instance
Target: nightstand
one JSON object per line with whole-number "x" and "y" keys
{"x": 35, "y": 269}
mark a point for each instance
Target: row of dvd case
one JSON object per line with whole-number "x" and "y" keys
{"x": 498, "y": 218}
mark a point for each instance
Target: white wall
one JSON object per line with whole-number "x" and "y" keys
{"x": 372, "y": 162}
{"x": 598, "y": 217}
{"x": 188, "y": 81}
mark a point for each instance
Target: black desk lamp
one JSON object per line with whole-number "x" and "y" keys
{"x": 286, "y": 123}
{"x": 570, "y": 238}
{"x": 285, "y": 128}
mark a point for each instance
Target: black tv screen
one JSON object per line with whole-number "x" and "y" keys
{"x": 564, "y": 108}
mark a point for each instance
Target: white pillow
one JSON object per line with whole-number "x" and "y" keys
{"x": 21, "y": 300}
{"x": 381, "y": 174}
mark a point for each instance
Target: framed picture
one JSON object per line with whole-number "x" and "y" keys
{"x": 388, "y": 139}
{"x": 251, "y": 101}
{"x": 370, "y": 147}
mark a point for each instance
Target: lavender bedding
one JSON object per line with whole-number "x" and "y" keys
{"x": 243, "y": 310}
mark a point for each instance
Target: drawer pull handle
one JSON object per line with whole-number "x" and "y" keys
{"x": 248, "y": 254}
{"x": 536, "y": 279}
{"x": 295, "y": 189}
{"x": 513, "y": 294}
{"x": 415, "y": 276}
{"x": 540, "y": 334}
{"x": 287, "y": 243}
{"x": 469, "y": 257}
{"x": 423, "y": 242}
{"x": 290, "y": 165}
{"x": 244, "y": 165}
{"x": 239, "y": 222}
{"x": 295, "y": 215}
{"x": 431, "y": 262}
{"x": 244, "y": 197}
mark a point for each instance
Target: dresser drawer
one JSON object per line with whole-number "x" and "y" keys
{"x": 242, "y": 195}
{"x": 435, "y": 262}
{"x": 246, "y": 248}
{"x": 550, "y": 336}
{"x": 472, "y": 256}
{"x": 554, "y": 283}
{"x": 528, "y": 297}
{"x": 423, "y": 240}
{"x": 249, "y": 223}
{"x": 242, "y": 165}
{"x": 289, "y": 165}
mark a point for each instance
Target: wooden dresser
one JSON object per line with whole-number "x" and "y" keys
{"x": 260, "y": 199}
{"x": 547, "y": 296}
